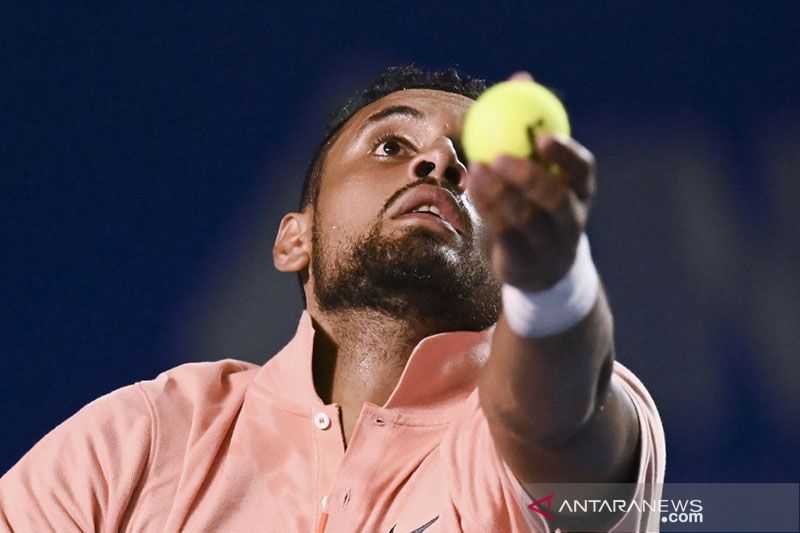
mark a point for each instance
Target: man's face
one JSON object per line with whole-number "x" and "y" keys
{"x": 370, "y": 250}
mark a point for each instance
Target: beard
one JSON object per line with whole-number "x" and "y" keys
{"x": 410, "y": 275}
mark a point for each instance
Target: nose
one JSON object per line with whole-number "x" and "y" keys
{"x": 441, "y": 162}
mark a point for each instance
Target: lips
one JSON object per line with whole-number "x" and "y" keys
{"x": 423, "y": 195}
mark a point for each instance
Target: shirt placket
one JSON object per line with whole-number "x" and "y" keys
{"x": 329, "y": 449}
{"x": 348, "y": 494}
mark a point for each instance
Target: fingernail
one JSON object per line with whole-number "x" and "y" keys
{"x": 543, "y": 141}
{"x": 522, "y": 75}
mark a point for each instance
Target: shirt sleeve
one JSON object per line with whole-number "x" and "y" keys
{"x": 486, "y": 488}
{"x": 81, "y": 475}
{"x": 652, "y": 458}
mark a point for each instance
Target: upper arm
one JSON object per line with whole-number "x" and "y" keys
{"x": 642, "y": 482}
{"x": 482, "y": 481}
{"x": 80, "y": 476}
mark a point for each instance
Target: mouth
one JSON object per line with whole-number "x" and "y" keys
{"x": 431, "y": 205}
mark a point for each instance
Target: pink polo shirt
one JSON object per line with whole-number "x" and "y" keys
{"x": 233, "y": 447}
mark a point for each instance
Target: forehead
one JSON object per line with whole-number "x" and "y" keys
{"x": 435, "y": 105}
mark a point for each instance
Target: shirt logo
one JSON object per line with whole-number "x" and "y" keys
{"x": 421, "y": 528}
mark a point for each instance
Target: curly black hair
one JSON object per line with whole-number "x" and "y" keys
{"x": 391, "y": 80}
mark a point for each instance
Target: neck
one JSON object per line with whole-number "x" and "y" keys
{"x": 359, "y": 355}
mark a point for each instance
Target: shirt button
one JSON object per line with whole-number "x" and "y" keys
{"x": 322, "y": 421}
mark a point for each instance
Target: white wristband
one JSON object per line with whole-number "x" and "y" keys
{"x": 551, "y": 311}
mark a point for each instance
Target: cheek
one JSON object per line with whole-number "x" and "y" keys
{"x": 479, "y": 229}
{"x": 347, "y": 213}
{"x": 474, "y": 217}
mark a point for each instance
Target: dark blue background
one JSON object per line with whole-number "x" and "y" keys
{"x": 140, "y": 144}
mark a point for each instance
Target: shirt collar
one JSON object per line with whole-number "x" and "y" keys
{"x": 441, "y": 371}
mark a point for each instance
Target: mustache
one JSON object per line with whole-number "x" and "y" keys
{"x": 426, "y": 180}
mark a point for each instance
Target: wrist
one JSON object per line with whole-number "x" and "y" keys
{"x": 558, "y": 308}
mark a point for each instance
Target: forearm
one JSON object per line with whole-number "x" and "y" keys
{"x": 552, "y": 408}
{"x": 546, "y": 389}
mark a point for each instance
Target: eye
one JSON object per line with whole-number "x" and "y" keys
{"x": 391, "y": 145}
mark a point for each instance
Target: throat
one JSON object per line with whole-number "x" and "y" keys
{"x": 360, "y": 359}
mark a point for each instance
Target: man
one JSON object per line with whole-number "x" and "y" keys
{"x": 453, "y": 369}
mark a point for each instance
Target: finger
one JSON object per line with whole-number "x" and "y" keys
{"x": 524, "y": 173}
{"x": 577, "y": 162}
{"x": 519, "y": 170}
{"x": 508, "y": 208}
{"x": 548, "y": 192}
{"x": 521, "y": 75}
{"x": 505, "y": 187}
{"x": 538, "y": 186}
{"x": 482, "y": 182}
{"x": 570, "y": 217}
{"x": 485, "y": 190}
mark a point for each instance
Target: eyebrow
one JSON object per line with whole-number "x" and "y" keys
{"x": 391, "y": 111}
{"x": 396, "y": 110}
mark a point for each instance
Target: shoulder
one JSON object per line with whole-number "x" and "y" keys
{"x": 84, "y": 470}
{"x": 121, "y": 411}
{"x": 131, "y": 414}
{"x": 193, "y": 388}
{"x": 198, "y": 379}
{"x": 80, "y": 470}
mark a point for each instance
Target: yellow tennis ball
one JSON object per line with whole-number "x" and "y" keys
{"x": 506, "y": 117}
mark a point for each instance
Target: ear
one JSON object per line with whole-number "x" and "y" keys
{"x": 292, "y": 249}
